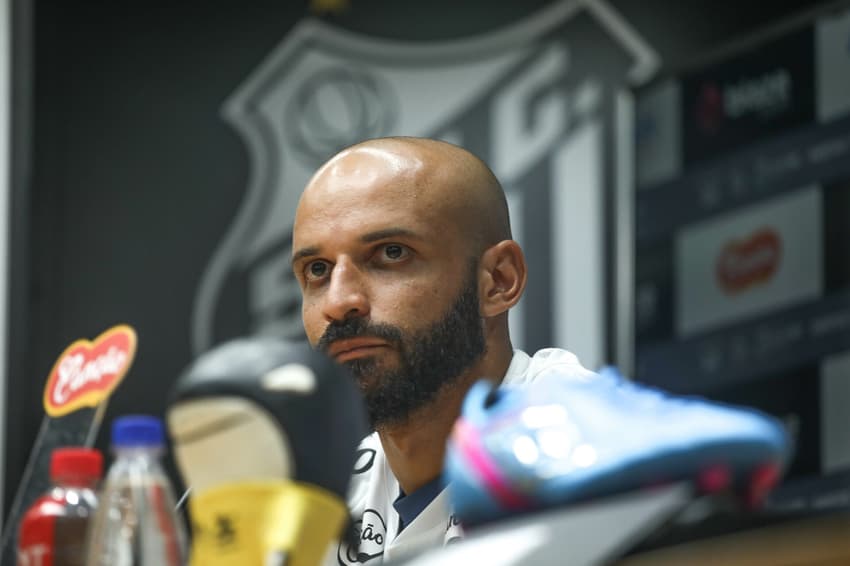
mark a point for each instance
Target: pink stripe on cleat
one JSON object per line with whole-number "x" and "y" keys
{"x": 469, "y": 442}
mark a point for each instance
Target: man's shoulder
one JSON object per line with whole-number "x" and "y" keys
{"x": 526, "y": 369}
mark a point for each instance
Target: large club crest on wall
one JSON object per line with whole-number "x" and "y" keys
{"x": 535, "y": 100}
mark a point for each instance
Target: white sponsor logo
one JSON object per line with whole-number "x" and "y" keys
{"x": 766, "y": 95}
{"x": 74, "y": 373}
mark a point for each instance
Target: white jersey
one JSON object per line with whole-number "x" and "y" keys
{"x": 374, "y": 488}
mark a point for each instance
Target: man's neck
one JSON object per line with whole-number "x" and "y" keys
{"x": 415, "y": 450}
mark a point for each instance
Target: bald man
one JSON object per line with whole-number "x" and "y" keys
{"x": 403, "y": 251}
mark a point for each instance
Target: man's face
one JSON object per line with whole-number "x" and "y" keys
{"x": 388, "y": 285}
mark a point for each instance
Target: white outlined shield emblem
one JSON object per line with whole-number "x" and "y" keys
{"x": 534, "y": 100}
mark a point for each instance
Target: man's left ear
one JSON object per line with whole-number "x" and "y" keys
{"x": 501, "y": 280}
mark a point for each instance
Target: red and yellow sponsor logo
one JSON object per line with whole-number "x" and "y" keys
{"x": 88, "y": 371}
{"x": 748, "y": 262}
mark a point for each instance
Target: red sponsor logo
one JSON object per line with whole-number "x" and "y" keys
{"x": 88, "y": 371}
{"x": 748, "y": 262}
{"x": 710, "y": 108}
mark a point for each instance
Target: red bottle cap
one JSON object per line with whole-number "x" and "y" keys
{"x": 86, "y": 463}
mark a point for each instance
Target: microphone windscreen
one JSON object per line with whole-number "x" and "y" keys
{"x": 266, "y": 408}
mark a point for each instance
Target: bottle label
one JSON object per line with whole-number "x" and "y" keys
{"x": 51, "y": 536}
{"x": 35, "y": 539}
{"x": 88, "y": 371}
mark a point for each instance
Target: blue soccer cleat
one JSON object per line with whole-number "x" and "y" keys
{"x": 564, "y": 440}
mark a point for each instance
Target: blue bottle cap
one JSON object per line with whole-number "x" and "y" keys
{"x": 137, "y": 430}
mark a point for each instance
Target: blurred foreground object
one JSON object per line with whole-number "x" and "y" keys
{"x": 136, "y": 523}
{"x": 265, "y": 433}
{"x": 562, "y": 441}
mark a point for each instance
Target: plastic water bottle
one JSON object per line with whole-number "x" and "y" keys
{"x": 136, "y": 523}
{"x": 53, "y": 530}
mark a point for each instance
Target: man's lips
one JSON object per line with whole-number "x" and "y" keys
{"x": 343, "y": 350}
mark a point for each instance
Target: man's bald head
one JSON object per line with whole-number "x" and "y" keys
{"x": 432, "y": 173}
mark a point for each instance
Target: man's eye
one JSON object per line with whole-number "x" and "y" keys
{"x": 395, "y": 251}
{"x": 316, "y": 270}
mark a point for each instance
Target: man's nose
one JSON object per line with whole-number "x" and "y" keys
{"x": 347, "y": 295}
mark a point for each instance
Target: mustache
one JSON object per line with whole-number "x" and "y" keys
{"x": 356, "y": 328}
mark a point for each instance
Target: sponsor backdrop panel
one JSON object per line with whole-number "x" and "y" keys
{"x": 750, "y": 235}
{"x": 763, "y": 258}
{"x": 761, "y": 92}
{"x": 835, "y": 418}
{"x": 658, "y": 132}
{"x": 833, "y": 67}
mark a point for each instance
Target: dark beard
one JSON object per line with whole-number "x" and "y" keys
{"x": 429, "y": 360}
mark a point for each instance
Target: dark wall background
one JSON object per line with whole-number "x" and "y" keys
{"x": 126, "y": 178}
